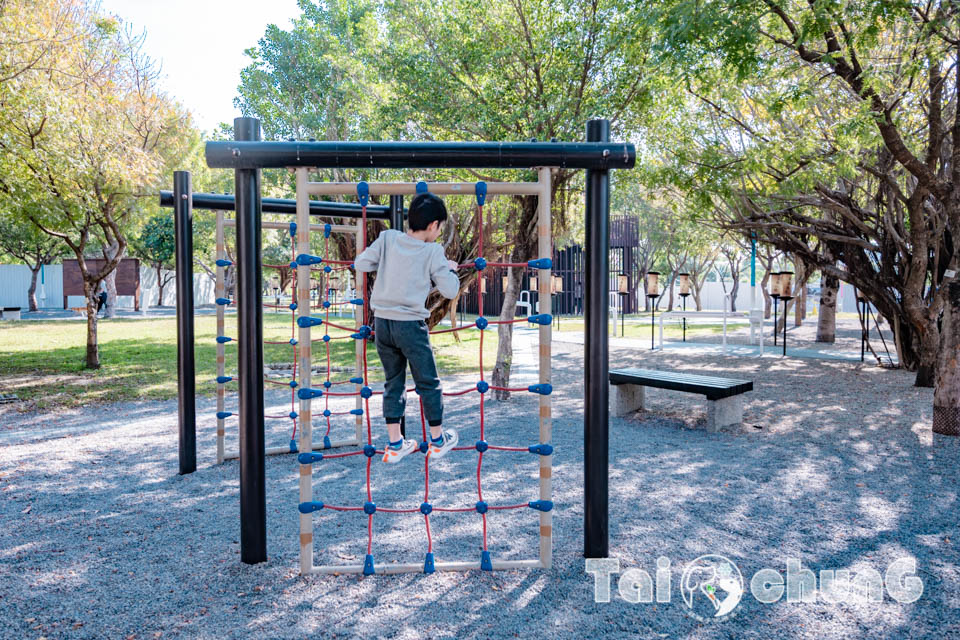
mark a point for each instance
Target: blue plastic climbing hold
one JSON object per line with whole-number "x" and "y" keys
{"x": 424, "y": 446}
{"x": 541, "y": 318}
{"x": 224, "y": 379}
{"x": 224, "y": 339}
{"x": 356, "y": 412}
{"x": 369, "y": 450}
{"x": 368, "y": 569}
{"x": 482, "y": 445}
{"x": 305, "y": 259}
{"x": 223, "y": 414}
{"x": 293, "y": 384}
{"x": 223, "y": 263}
{"x": 485, "y": 563}
{"x": 481, "y": 506}
{"x": 293, "y": 229}
{"x": 481, "y": 192}
{"x": 327, "y": 268}
{"x": 310, "y": 507}
{"x": 540, "y": 263}
{"x": 327, "y": 413}
{"x": 293, "y": 306}
{"x": 426, "y": 508}
{"x": 326, "y": 304}
{"x": 428, "y": 563}
{"x": 369, "y": 508}
{"x": 422, "y": 187}
{"x": 307, "y": 393}
{"x": 293, "y": 445}
{"x": 480, "y": 264}
{"x": 363, "y": 193}
{"x": 309, "y": 458}
{"x": 356, "y": 380}
{"x": 327, "y": 228}
{"x": 357, "y": 301}
{"x": 326, "y": 338}
{"x": 223, "y": 301}
{"x": 306, "y": 321}
{"x": 542, "y": 449}
{"x": 483, "y": 386}
{"x": 366, "y": 392}
{"x": 293, "y": 415}
{"x": 326, "y": 442}
{"x": 482, "y": 323}
{"x": 541, "y": 505}
{"x": 544, "y": 389}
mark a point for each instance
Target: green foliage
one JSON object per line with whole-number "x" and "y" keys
{"x": 156, "y": 242}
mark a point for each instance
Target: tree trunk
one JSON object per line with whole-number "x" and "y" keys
{"x": 32, "y": 291}
{"x": 501, "y": 371}
{"x": 93, "y": 351}
{"x": 110, "y": 309}
{"x": 800, "y": 297}
{"x": 160, "y": 284}
{"x": 734, "y": 289}
{"x": 827, "y": 320}
{"x": 946, "y": 394}
{"x": 927, "y": 367}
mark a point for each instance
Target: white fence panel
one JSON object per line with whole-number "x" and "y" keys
{"x": 15, "y": 281}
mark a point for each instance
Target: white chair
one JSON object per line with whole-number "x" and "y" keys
{"x": 525, "y": 303}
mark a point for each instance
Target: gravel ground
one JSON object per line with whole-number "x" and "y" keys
{"x": 836, "y": 465}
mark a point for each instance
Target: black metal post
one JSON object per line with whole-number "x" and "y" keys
{"x": 775, "y": 329}
{"x": 226, "y": 202}
{"x": 186, "y": 368}
{"x": 596, "y": 414}
{"x": 396, "y": 212}
{"x": 785, "y": 305}
{"x": 684, "y": 317}
{"x": 253, "y": 495}
{"x": 863, "y": 328}
{"x": 653, "y": 314}
{"x": 623, "y": 316}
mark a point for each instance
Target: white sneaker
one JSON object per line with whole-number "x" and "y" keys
{"x": 393, "y": 456}
{"x": 450, "y": 439}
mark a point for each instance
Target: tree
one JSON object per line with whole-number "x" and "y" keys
{"x": 83, "y": 135}
{"x": 29, "y": 245}
{"x": 156, "y": 244}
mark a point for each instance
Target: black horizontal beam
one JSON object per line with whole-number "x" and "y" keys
{"x": 225, "y": 202}
{"x": 230, "y": 154}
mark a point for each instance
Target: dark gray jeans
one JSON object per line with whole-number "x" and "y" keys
{"x": 408, "y": 341}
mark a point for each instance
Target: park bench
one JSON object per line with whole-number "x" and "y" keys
{"x": 724, "y": 399}
{"x": 10, "y": 313}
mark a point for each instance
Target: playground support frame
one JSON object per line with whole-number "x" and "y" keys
{"x": 598, "y": 155}
{"x": 186, "y": 380}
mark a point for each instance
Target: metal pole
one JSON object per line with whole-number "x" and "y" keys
{"x": 684, "y": 318}
{"x": 653, "y": 314}
{"x": 863, "y": 329}
{"x": 186, "y": 370}
{"x": 596, "y": 415}
{"x": 396, "y": 212}
{"x": 253, "y": 496}
{"x": 775, "y": 300}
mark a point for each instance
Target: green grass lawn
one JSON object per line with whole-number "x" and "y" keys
{"x": 638, "y": 326}
{"x": 42, "y": 362}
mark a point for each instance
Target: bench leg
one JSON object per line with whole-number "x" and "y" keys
{"x": 724, "y": 413}
{"x": 625, "y": 399}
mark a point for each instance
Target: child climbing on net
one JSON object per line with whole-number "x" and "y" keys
{"x": 409, "y": 265}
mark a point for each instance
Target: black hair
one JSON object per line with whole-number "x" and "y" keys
{"x": 424, "y": 209}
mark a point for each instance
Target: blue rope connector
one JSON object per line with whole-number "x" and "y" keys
{"x": 293, "y": 415}
{"x": 222, "y": 415}
{"x": 422, "y": 187}
{"x": 369, "y": 508}
{"x": 327, "y": 228}
{"x": 357, "y": 301}
{"x": 541, "y": 505}
{"x": 307, "y": 393}
{"x": 326, "y": 304}
{"x": 307, "y": 321}
{"x": 369, "y": 450}
{"x": 480, "y": 264}
{"x": 540, "y": 263}
{"x": 428, "y": 563}
{"x": 293, "y": 229}
{"x": 224, "y": 379}
{"x": 223, "y": 301}
{"x": 482, "y": 323}
{"x": 356, "y": 412}
{"x": 223, "y": 263}
{"x": 482, "y": 445}
{"x": 541, "y": 318}
{"x": 327, "y": 384}
{"x": 366, "y": 392}
{"x": 363, "y": 193}
{"x": 424, "y": 446}
{"x": 327, "y": 413}
{"x": 543, "y": 389}
{"x": 293, "y": 341}
{"x": 326, "y": 442}
{"x": 293, "y": 306}
{"x": 224, "y": 339}
{"x": 542, "y": 449}
{"x": 481, "y": 192}
{"x": 309, "y": 458}
{"x": 326, "y": 338}
{"x": 483, "y": 386}
{"x": 305, "y": 259}
{"x": 293, "y": 265}
{"x": 356, "y": 380}
{"x": 481, "y": 506}
{"x": 368, "y": 569}
{"x": 293, "y": 446}
{"x": 426, "y": 508}
{"x": 310, "y": 507}
{"x": 485, "y": 563}
{"x": 293, "y": 384}
{"x": 327, "y": 268}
